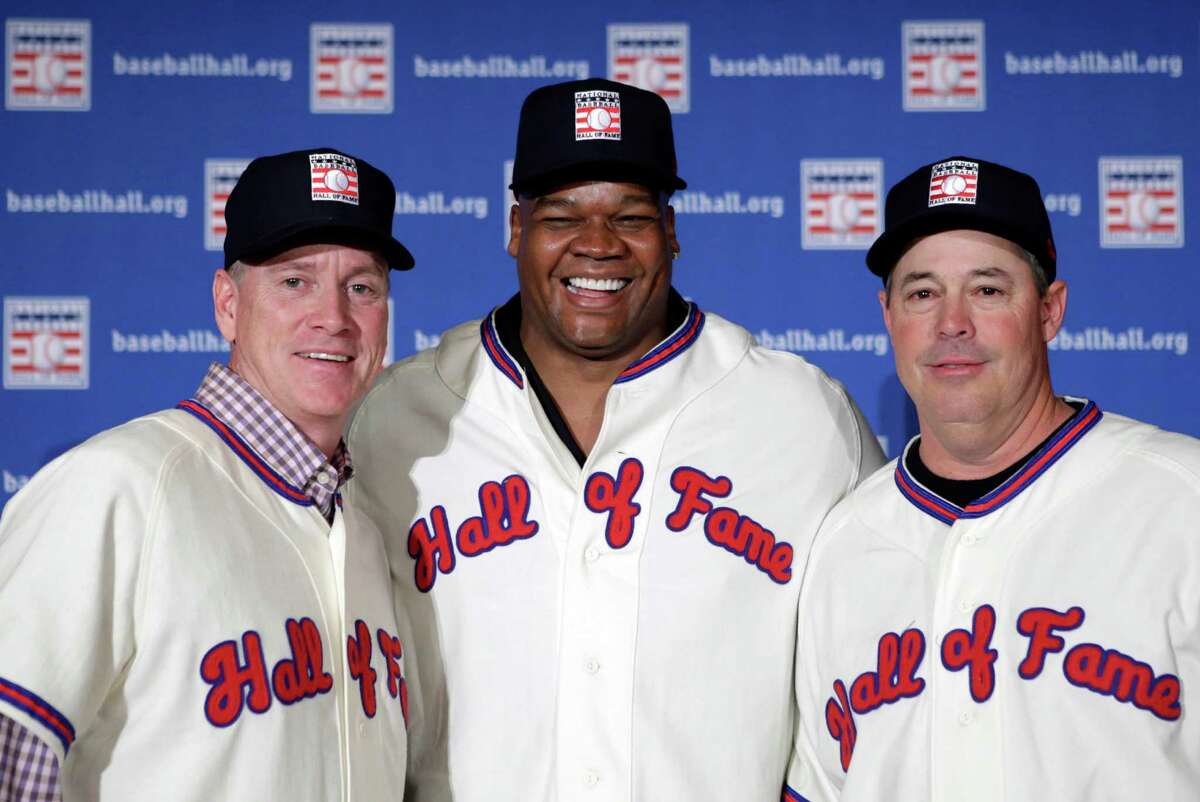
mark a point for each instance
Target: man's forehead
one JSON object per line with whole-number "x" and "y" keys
{"x": 967, "y": 248}
{"x": 315, "y": 254}
{"x": 574, "y": 193}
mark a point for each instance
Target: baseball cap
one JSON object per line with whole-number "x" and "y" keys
{"x": 594, "y": 129}
{"x": 964, "y": 192}
{"x": 311, "y": 196}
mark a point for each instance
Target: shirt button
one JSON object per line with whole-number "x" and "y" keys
{"x": 362, "y": 728}
{"x": 964, "y": 606}
{"x": 969, "y": 539}
{"x": 325, "y": 478}
{"x": 592, "y": 666}
{"x": 966, "y": 717}
{"x": 591, "y": 554}
{"x": 590, "y": 779}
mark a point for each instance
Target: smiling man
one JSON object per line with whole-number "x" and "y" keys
{"x": 1011, "y": 610}
{"x": 597, "y": 500}
{"x": 189, "y": 611}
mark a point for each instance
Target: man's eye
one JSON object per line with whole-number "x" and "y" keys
{"x": 292, "y": 282}
{"x": 362, "y": 289}
{"x": 921, "y": 295}
{"x": 989, "y": 291}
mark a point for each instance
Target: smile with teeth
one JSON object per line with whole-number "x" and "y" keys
{"x": 325, "y": 357}
{"x": 576, "y": 283}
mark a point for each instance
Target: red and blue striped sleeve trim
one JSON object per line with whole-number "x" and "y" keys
{"x": 792, "y": 795}
{"x": 41, "y": 710}
{"x": 1038, "y": 464}
{"x": 272, "y": 479}
{"x": 679, "y": 341}
{"x": 499, "y": 357}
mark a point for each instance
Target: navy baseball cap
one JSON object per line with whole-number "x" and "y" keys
{"x": 964, "y": 192}
{"x": 594, "y": 129}
{"x": 311, "y": 196}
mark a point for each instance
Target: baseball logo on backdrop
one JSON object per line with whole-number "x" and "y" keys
{"x": 46, "y": 343}
{"x": 49, "y": 65}
{"x": 653, "y": 57}
{"x": 943, "y": 66}
{"x": 220, "y": 176}
{"x": 841, "y": 202}
{"x": 351, "y": 69}
{"x": 955, "y": 181}
{"x": 597, "y": 115}
{"x": 1141, "y": 202}
{"x": 334, "y": 178}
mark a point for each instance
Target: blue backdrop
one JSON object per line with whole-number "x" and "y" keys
{"x": 126, "y": 124}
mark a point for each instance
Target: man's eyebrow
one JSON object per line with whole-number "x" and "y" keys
{"x": 916, "y": 275}
{"x": 990, "y": 272}
{"x": 560, "y": 203}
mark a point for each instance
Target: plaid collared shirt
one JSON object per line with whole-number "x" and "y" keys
{"x": 28, "y": 767}
{"x": 275, "y": 438}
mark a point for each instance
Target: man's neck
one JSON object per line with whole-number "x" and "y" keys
{"x": 979, "y": 450}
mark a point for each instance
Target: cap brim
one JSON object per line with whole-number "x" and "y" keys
{"x": 612, "y": 171}
{"x": 310, "y": 233}
{"x": 891, "y": 245}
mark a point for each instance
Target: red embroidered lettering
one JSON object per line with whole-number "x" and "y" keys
{"x": 235, "y": 682}
{"x": 1039, "y": 624}
{"x": 690, "y": 484}
{"x": 358, "y": 660}
{"x": 604, "y": 494}
{"x": 434, "y": 552}
{"x": 961, "y": 649}
{"x": 301, "y": 676}
{"x": 1110, "y": 673}
{"x": 392, "y": 651}
{"x": 503, "y": 510}
{"x": 840, "y": 723}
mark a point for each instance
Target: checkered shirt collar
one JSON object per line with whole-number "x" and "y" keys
{"x": 275, "y": 438}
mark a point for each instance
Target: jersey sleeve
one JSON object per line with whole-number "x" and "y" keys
{"x": 70, "y": 544}
{"x": 871, "y": 455}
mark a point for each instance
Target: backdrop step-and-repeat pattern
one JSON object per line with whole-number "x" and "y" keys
{"x": 126, "y": 124}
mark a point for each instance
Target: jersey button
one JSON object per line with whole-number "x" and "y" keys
{"x": 592, "y": 666}
{"x": 969, "y": 539}
{"x": 966, "y": 717}
{"x": 591, "y": 554}
{"x": 591, "y": 779}
{"x": 964, "y": 606}
{"x": 362, "y": 729}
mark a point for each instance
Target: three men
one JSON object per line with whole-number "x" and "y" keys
{"x": 189, "y": 611}
{"x": 597, "y": 500}
{"x": 1012, "y": 610}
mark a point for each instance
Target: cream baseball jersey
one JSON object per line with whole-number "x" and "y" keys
{"x": 181, "y": 623}
{"x": 624, "y": 630}
{"x": 1040, "y": 643}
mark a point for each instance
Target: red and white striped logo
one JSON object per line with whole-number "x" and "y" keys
{"x": 220, "y": 176}
{"x": 652, "y": 57}
{"x": 49, "y": 64}
{"x": 841, "y": 202}
{"x": 351, "y": 69}
{"x": 955, "y": 181}
{"x": 334, "y": 177}
{"x": 943, "y": 66}
{"x": 46, "y": 343}
{"x": 1141, "y": 202}
{"x": 597, "y": 115}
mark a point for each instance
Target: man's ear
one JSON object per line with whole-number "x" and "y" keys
{"x": 225, "y": 301}
{"x": 514, "y": 226}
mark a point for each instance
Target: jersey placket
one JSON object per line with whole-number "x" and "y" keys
{"x": 599, "y": 628}
{"x": 968, "y": 684}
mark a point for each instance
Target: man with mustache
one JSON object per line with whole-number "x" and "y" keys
{"x": 1011, "y": 610}
{"x": 598, "y": 498}
{"x": 187, "y": 609}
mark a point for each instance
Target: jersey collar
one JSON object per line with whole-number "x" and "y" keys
{"x": 947, "y": 512}
{"x": 678, "y": 341}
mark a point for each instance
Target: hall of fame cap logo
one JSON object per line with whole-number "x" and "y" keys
{"x": 220, "y": 176}
{"x": 943, "y": 66}
{"x": 46, "y": 343}
{"x": 841, "y": 203}
{"x": 49, "y": 65}
{"x": 652, "y": 57}
{"x": 955, "y": 181}
{"x": 597, "y": 115}
{"x": 1141, "y": 202}
{"x": 351, "y": 69}
{"x": 334, "y": 177}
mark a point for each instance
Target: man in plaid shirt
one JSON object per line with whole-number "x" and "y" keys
{"x": 212, "y": 568}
